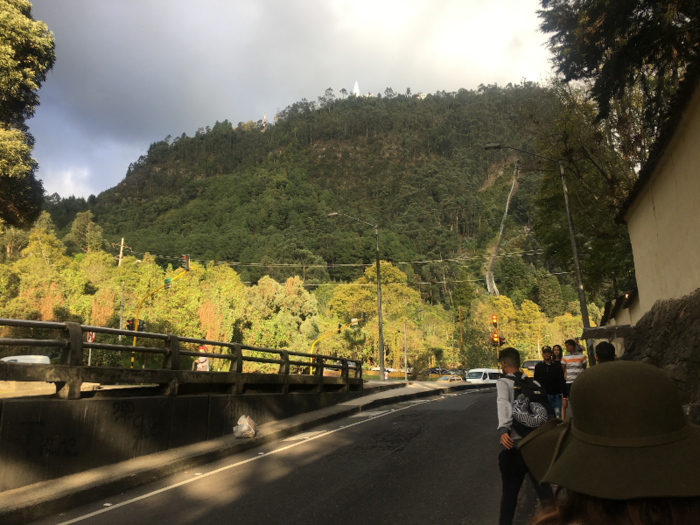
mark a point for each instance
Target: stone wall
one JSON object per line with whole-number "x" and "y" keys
{"x": 668, "y": 336}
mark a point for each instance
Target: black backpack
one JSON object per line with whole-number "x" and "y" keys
{"x": 531, "y": 407}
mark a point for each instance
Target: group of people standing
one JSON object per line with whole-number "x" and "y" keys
{"x": 557, "y": 371}
{"x": 628, "y": 456}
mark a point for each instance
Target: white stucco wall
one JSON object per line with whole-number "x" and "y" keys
{"x": 664, "y": 221}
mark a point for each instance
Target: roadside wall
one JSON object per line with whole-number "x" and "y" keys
{"x": 663, "y": 222}
{"x": 43, "y": 439}
{"x": 668, "y": 336}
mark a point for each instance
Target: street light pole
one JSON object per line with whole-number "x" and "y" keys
{"x": 572, "y": 236}
{"x": 380, "y": 328}
{"x": 577, "y": 264}
{"x": 379, "y": 309}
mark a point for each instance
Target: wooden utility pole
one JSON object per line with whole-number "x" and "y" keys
{"x": 121, "y": 250}
{"x": 461, "y": 334}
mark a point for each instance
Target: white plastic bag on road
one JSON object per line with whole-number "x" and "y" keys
{"x": 245, "y": 428}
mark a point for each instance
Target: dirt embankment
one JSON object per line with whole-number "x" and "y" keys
{"x": 668, "y": 336}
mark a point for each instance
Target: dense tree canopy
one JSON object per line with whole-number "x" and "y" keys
{"x": 634, "y": 51}
{"x": 26, "y": 55}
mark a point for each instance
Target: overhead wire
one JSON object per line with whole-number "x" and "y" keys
{"x": 341, "y": 265}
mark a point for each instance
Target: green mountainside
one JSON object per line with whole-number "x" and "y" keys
{"x": 250, "y": 204}
{"x": 415, "y": 166}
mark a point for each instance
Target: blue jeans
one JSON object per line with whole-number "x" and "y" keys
{"x": 555, "y": 401}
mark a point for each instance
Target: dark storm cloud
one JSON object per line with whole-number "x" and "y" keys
{"x": 129, "y": 73}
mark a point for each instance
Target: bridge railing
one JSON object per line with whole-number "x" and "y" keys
{"x": 72, "y": 372}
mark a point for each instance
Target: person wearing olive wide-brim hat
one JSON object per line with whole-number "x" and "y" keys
{"x": 628, "y": 450}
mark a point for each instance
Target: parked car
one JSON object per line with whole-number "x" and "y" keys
{"x": 450, "y": 379}
{"x": 529, "y": 367}
{"x": 483, "y": 375}
{"x": 28, "y": 359}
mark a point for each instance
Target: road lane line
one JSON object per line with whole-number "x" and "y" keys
{"x": 228, "y": 467}
{"x": 304, "y": 435}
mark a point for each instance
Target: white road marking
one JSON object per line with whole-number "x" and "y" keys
{"x": 304, "y": 435}
{"x": 371, "y": 413}
{"x": 376, "y": 415}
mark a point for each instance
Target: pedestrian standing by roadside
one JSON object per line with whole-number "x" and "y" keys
{"x": 510, "y": 461}
{"x": 604, "y": 353}
{"x": 556, "y": 350}
{"x": 575, "y": 363}
{"x": 629, "y": 457}
{"x": 201, "y": 364}
{"x": 550, "y": 375}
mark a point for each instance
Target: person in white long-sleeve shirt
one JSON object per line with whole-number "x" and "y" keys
{"x": 510, "y": 461}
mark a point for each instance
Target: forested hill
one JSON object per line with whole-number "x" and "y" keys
{"x": 414, "y": 165}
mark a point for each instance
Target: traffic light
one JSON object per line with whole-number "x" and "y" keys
{"x": 142, "y": 326}
{"x": 494, "y": 320}
{"x": 185, "y": 262}
{"x": 339, "y": 327}
{"x": 168, "y": 283}
{"x": 129, "y": 324}
{"x": 495, "y": 339}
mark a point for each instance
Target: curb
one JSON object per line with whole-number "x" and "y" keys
{"x": 47, "y": 498}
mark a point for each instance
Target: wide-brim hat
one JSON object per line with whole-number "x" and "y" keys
{"x": 629, "y": 437}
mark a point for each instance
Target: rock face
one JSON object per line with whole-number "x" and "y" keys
{"x": 668, "y": 336}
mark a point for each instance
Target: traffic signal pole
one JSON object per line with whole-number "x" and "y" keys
{"x": 496, "y": 336}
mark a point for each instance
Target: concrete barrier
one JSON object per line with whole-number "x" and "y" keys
{"x": 43, "y": 439}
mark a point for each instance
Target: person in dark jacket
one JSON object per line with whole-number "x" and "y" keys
{"x": 550, "y": 374}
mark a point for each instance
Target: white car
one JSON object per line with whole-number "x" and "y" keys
{"x": 28, "y": 359}
{"x": 487, "y": 376}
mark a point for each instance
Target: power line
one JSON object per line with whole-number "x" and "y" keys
{"x": 344, "y": 265}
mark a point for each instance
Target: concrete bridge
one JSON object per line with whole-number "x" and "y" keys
{"x": 83, "y": 445}
{"x": 127, "y": 413}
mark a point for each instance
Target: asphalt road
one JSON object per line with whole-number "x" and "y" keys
{"x": 415, "y": 462}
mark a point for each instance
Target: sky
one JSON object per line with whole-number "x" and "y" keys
{"x": 131, "y": 72}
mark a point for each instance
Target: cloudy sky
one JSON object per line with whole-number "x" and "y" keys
{"x": 131, "y": 72}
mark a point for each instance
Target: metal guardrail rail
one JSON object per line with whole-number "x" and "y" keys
{"x": 71, "y": 372}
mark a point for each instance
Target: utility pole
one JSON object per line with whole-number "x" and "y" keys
{"x": 577, "y": 266}
{"x": 379, "y": 291}
{"x": 405, "y": 353}
{"x": 461, "y": 334}
{"x": 572, "y": 236}
{"x": 121, "y": 312}
{"x": 379, "y": 310}
{"x": 121, "y": 250}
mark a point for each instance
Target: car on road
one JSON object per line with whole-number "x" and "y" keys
{"x": 28, "y": 359}
{"x": 483, "y": 375}
{"x": 529, "y": 367}
{"x": 450, "y": 379}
